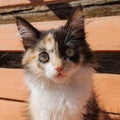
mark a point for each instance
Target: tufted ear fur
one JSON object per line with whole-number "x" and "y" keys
{"x": 76, "y": 21}
{"x": 75, "y": 28}
{"x": 29, "y": 34}
{"x": 76, "y": 34}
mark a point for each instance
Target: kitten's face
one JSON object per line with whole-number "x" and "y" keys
{"x": 47, "y": 61}
{"x": 56, "y": 54}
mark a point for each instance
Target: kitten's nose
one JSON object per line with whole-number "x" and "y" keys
{"x": 59, "y": 69}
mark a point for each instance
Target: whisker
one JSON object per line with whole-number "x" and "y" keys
{"x": 72, "y": 31}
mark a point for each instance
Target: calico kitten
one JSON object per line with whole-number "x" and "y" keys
{"x": 58, "y": 67}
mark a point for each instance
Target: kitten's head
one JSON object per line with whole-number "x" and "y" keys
{"x": 55, "y": 55}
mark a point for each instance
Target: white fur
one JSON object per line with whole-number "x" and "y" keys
{"x": 49, "y": 70}
{"x": 65, "y": 101}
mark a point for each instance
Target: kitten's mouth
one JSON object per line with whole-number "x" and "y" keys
{"x": 59, "y": 75}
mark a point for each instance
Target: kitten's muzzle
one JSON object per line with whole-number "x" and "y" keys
{"x": 59, "y": 69}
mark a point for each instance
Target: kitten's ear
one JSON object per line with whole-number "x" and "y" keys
{"x": 76, "y": 19}
{"x": 29, "y": 34}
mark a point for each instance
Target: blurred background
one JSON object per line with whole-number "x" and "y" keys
{"x": 92, "y": 8}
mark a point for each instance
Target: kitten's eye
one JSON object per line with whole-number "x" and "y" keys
{"x": 44, "y": 57}
{"x": 70, "y": 52}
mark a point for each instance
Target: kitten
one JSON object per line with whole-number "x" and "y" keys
{"x": 58, "y": 68}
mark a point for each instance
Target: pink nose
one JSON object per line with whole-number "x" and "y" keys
{"x": 59, "y": 69}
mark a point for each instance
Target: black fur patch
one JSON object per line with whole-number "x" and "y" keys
{"x": 60, "y": 36}
{"x": 92, "y": 110}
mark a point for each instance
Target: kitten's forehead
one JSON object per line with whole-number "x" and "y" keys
{"x": 48, "y": 42}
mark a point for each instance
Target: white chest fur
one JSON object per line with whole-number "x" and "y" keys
{"x": 61, "y": 102}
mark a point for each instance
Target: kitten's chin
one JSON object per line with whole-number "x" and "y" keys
{"x": 61, "y": 78}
